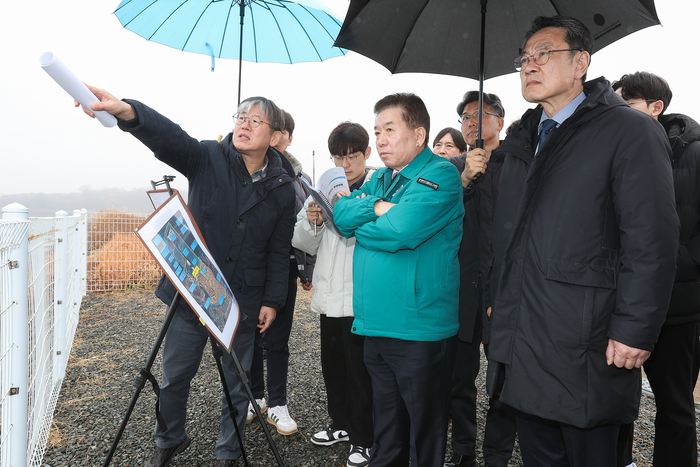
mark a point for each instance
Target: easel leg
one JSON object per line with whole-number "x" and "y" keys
{"x": 140, "y": 380}
{"x": 232, "y": 411}
{"x": 245, "y": 380}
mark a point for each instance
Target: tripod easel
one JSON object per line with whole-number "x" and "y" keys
{"x": 145, "y": 374}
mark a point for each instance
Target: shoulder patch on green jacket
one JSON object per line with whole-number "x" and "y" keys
{"x": 428, "y": 183}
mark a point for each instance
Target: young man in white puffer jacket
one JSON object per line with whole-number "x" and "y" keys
{"x": 348, "y": 385}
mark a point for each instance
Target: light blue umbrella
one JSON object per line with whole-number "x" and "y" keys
{"x": 274, "y": 31}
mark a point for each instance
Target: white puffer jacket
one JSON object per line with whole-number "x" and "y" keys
{"x": 332, "y": 277}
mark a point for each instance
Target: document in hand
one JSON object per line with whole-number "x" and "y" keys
{"x": 329, "y": 184}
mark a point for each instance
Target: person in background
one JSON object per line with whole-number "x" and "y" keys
{"x": 348, "y": 385}
{"x": 474, "y": 260}
{"x": 275, "y": 340}
{"x": 407, "y": 221}
{"x": 512, "y": 125}
{"x": 672, "y": 368}
{"x": 585, "y": 238}
{"x": 241, "y": 197}
{"x": 449, "y": 142}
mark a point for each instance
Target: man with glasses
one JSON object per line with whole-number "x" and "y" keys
{"x": 585, "y": 238}
{"x": 241, "y": 197}
{"x": 348, "y": 385}
{"x": 672, "y": 368}
{"x": 474, "y": 258}
{"x": 275, "y": 341}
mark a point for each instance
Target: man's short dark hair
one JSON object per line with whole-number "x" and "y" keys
{"x": 288, "y": 123}
{"x": 413, "y": 111}
{"x": 348, "y": 138}
{"x": 456, "y": 137}
{"x": 576, "y": 34}
{"x": 491, "y": 100}
{"x": 645, "y": 86}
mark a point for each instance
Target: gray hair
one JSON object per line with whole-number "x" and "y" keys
{"x": 273, "y": 113}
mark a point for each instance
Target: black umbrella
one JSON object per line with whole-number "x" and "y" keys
{"x": 449, "y": 36}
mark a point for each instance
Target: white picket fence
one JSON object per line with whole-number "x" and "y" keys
{"x": 43, "y": 272}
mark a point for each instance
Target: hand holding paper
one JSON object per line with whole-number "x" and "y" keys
{"x": 107, "y": 103}
{"x": 73, "y": 86}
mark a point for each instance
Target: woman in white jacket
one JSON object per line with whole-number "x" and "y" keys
{"x": 348, "y": 385}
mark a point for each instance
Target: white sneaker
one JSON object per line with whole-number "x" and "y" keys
{"x": 329, "y": 437}
{"x": 359, "y": 456}
{"x": 279, "y": 416}
{"x": 262, "y": 405}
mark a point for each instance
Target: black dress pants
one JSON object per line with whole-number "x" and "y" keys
{"x": 275, "y": 341}
{"x": 672, "y": 370}
{"x": 412, "y": 383}
{"x": 499, "y": 434}
{"x": 546, "y": 443}
{"x": 348, "y": 385}
{"x": 463, "y": 406}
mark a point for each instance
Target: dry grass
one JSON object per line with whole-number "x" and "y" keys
{"x": 122, "y": 263}
{"x": 55, "y": 439}
{"x": 104, "y": 225}
{"x": 117, "y": 260}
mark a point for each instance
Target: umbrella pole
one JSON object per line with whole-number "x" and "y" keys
{"x": 240, "y": 52}
{"x": 479, "y": 139}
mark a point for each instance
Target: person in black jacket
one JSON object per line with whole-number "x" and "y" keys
{"x": 241, "y": 197}
{"x": 672, "y": 368}
{"x": 585, "y": 237}
{"x": 275, "y": 340}
{"x": 474, "y": 260}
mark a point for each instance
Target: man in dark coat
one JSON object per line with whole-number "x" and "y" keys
{"x": 585, "y": 237}
{"x": 276, "y": 339}
{"x": 474, "y": 260}
{"x": 673, "y": 366}
{"x": 241, "y": 197}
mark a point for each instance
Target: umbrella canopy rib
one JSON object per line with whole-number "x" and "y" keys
{"x": 123, "y": 4}
{"x": 223, "y": 33}
{"x": 306, "y": 33}
{"x": 284, "y": 41}
{"x": 163, "y": 22}
{"x": 415, "y": 21}
{"x": 255, "y": 37}
{"x": 195, "y": 26}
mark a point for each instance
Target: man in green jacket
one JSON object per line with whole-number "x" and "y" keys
{"x": 408, "y": 224}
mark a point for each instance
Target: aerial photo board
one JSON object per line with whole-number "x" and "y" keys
{"x": 173, "y": 238}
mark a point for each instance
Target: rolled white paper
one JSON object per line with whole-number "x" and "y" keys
{"x": 73, "y": 86}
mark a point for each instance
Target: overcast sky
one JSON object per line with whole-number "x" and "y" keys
{"x": 47, "y": 146}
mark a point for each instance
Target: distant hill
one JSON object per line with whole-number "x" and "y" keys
{"x": 46, "y": 204}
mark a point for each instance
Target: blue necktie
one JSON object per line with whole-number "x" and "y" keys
{"x": 547, "y": 125}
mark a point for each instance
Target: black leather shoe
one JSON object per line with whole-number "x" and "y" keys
{"x": 226, "y": 462}
{"x": 461, "y": 460}
{"x": 161, "y": 457}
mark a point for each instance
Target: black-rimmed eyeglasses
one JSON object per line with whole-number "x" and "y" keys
{"x": 540, "y": 58}
{"x": 254, "y": 120}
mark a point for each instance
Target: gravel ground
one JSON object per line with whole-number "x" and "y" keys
{"x": 113, "y": 341}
